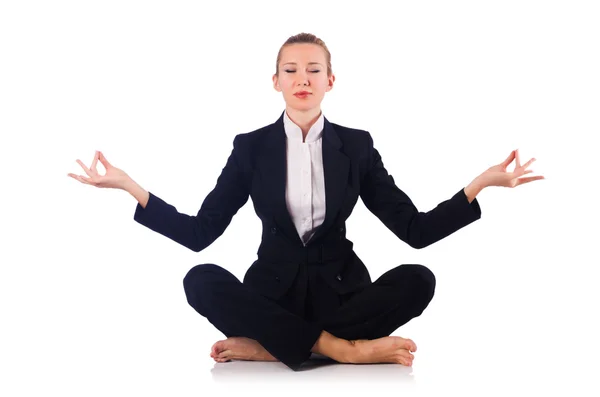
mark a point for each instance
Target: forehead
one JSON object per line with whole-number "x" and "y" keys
{"x": 303, "y": 53}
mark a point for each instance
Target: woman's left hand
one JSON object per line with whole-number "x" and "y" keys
{"x": 498, "y": 176}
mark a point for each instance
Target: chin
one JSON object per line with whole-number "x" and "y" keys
{"x": 303, "y": 106}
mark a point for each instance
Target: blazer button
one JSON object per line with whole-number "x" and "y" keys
{"x": 339, "y": 277}
{"x": 277, "y": 278}
{"x": 341, "y": 229}
{"x": 273, "y": 230}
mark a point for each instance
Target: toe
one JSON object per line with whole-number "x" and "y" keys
{"x": 217, "y": 347}
{"x": 403, "y": 360}
{"x": 404, "y": 353}
{"x": 221, "y": 359}
{"x": 412, "y": 345}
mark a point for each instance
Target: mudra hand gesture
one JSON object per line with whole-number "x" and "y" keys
{"x": 114, "y": 177}
{"x": 498, "y": 176}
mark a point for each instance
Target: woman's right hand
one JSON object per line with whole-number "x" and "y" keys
{"x": 114, "y": 178}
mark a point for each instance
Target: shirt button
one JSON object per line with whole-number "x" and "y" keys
{"x": 273, "y": 230}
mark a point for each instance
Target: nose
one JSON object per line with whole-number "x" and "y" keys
{"x": 302, "y": 78}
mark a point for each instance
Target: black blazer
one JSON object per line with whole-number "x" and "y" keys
{"x": 353, "y": 168}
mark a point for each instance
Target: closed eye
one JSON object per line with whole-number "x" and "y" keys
{"x": 312, "y": 71}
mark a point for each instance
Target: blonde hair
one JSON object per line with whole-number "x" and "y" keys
{"x": 305, "y": 38}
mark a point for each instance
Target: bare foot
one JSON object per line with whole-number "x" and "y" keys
{"x": 389, "y": 349}
{"x": 239, "y": 348}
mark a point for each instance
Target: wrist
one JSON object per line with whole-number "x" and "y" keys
{"x": 473, "y": 189}
{"x": 129, "y": 185}
{"x": 138, "y": 192}
{"x": 480, "y": 181}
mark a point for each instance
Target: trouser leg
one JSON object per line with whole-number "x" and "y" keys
{"x": 378, "y": 310}
{"x": 237, "y": 310}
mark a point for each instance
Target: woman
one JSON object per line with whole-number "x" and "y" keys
{"x": 308, "y": 291}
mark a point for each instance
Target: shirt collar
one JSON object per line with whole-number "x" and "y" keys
{"x": 293, "y": 132}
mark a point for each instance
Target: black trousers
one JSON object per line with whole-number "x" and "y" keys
{"x": 287, "y": 330}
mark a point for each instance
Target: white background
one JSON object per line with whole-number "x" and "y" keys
{"x": 92, "y": 303}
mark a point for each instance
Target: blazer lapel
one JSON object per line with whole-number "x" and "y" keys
{"x": 274, "y": 168}
{"x": 335, "y": 167}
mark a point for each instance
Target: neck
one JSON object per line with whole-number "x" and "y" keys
{"x": 304, "y": 118}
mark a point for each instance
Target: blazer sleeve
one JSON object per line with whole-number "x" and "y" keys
{"x": 395, "y": 209}
{"x": 220, "y": 205}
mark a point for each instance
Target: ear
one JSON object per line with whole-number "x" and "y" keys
{"x": 330, "y": 82}
{"x": 276, "y": 83}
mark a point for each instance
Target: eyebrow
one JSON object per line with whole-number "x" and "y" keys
{"x": 310, "y": 63}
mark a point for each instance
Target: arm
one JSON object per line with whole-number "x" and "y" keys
{"x": 199, "y": 231}
{"x": 140, "y": 194}
{"x": 473, "y": 189}
{"x": 398, "y": 213}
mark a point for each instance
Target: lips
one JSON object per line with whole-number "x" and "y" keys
{"x": 302, "y": 93}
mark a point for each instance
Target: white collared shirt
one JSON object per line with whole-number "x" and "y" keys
{"x": 305, "y": 182}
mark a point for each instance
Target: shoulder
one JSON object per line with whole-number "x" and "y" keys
{"x": 349, "y": 134}
{"x": 252, "y": 138}
{"x": 247, "y": 146}
{"x": 357, "y": 143}
{"x": 245, "y": 143}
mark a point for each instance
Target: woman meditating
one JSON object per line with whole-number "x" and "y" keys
{"x": 307, "y": 291}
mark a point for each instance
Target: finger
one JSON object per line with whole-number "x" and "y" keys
{"x": 520, "y": 172}
{"x": 521, "y": 181}
{"x": 517, "y": 172}
{"x": 87, "y": 171}
{"x": 83, "y": 179}
{"x": 518, "y": 164}
{"x": 509, "y": 159}
{"x": 73, "y": 176}
{"x": 527, "y": 164}
{"x": 94, "y": 162}
{"x": 78, "y": 177}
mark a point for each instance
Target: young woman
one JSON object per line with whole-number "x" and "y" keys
{"x": 308, "y": 291}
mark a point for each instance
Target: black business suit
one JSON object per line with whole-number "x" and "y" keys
{"x": 292, "y": 291}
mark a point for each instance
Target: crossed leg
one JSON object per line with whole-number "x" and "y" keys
{"x": 364, "y": 320}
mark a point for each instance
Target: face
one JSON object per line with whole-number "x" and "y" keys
{"x": 303, "y": 67}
